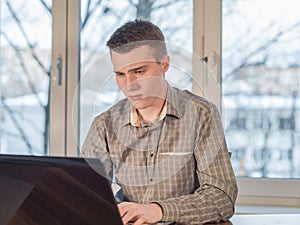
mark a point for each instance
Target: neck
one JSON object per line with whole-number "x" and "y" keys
{"x": 151, "y": 113}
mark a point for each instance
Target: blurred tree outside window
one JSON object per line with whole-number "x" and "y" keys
{"x": 24, "y": 78}
{"x": 261, "y": 84}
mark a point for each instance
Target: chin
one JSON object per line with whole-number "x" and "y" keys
{"x": 139, "y": 105}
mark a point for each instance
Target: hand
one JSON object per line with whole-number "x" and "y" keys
{"x": 140, "y": 213}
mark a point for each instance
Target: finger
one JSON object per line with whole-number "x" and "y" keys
{"x": 128, "y": 212}
{"x": 140, "y": 221}
{"x": 130, "y": 216}
{"x": 122, "y": 207}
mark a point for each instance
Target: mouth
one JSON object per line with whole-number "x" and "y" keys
{"x": 135, "y": 97}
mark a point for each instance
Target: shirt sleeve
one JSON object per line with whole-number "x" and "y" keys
{"x": 214, "y": 199}
{"x": 95, "y": 146}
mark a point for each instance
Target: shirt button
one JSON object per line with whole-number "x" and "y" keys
{"x": 151, "y": 154}
{"x": 151, "y": 179}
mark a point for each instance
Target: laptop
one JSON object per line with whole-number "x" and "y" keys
{"x": 42, "y": 190}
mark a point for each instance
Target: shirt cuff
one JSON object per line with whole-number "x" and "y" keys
{"x": 170, "y": 210}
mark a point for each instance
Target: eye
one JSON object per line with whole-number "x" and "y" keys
{"x": 140, "y": 71}
{"x": 119, "y": 74}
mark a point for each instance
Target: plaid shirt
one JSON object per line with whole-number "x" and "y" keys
{"x": 180, "y": 161}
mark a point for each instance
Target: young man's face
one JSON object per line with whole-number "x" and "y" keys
{"x": 140, "y": 76}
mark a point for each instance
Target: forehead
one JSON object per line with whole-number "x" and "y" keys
{"x": 133, "y": 57}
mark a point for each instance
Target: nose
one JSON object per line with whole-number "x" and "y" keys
{"x": 130, "y": 78}
{"x": 131, "y": 82}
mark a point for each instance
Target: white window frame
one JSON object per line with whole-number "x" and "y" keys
{"x": 207, "y": 48}
{"x": 63, "y": 96}
{"x": 57, "y": 92}
{"x": 207, "y": 44}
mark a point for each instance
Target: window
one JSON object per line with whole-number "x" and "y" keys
{"x": 25, "y": 76}
{"x": 259, "y": 73}
{"x": 38, "y": 50}
{"x": 260, "y": 82}
{"x": 260, "y": 79}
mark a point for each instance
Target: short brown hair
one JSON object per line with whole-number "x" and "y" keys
{"x": 136, "y": 33}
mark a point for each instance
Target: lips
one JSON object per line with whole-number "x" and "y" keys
{"x": 135, "y": 97}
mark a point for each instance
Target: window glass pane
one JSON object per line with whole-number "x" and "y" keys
{"x": 98, "y": 89}
{"x": 24, "y": 77}
{"x": 261, "y": 86}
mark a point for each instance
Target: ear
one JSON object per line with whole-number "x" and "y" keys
{"x": 165, "y": 62}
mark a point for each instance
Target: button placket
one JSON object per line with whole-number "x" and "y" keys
{"x": 150, "y": 158}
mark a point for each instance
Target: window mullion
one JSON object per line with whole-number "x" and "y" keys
{"x": 207, "y": 50}
{"x": 73, "y": 74}
{"x": 58, "y": 78}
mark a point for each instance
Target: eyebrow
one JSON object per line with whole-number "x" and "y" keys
{"x": 134, "y": 69}
{"x": 138, "y": 68}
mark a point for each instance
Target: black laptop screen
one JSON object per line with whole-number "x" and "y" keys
{"x": 39, "y": 190}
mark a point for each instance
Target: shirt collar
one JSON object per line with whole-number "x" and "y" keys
{"x": 135, "y": 119}
{"x": 171, "y": 107}
{"x": 174, "y": 106}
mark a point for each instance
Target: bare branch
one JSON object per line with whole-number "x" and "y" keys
{"x": 132, "y": 3}
{"x": 265, "y": 45}
{"x": 30, "y": 45}
{"x": 120, "y": 16}
{"x": 26, "y": 72}
{"x": 165, "y": 5}
{"x": 48, "y": 8}
{"x": 89, "y": 12}
{"x": 19, "y": 23}
{"x": 17, "y": 125}
{"x": 86, "y": 15}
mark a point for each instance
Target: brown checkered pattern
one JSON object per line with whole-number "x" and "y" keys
{"x": 180, "y": 162}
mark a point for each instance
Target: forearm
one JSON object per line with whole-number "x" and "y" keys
{"x": 205, "y": 205}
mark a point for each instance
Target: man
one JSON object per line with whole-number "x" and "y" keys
{"x": 163, "y": 146}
